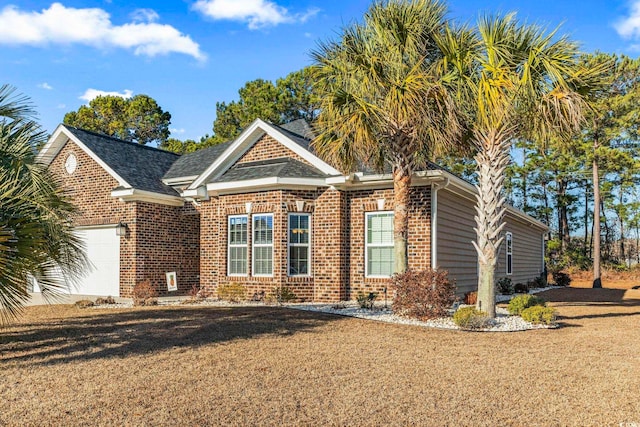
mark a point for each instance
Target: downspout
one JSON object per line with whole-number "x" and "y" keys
{"x": 434, "y": 220}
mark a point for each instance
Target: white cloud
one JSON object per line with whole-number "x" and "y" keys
{"x": 93, "y": 27}
{"x": 145, "y": 15}
{"x": 256, "y": 13}
{"x": 91, "y": 94}
{"x": 45, "y": 85}
{"x": 629, "y": 27}
{"x": 177, "y": 131}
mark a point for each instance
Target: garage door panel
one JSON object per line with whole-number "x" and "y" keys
{"x": 103, "y": 252}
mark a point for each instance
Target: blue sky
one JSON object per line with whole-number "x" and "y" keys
{"x": 190, "y": 54}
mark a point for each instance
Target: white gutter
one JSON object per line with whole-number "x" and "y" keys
{"x": 132, "y": 194}
{"x": 434, "y": 220}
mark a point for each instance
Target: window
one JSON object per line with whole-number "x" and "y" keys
{"x": 299, "y": 244}
{"x": 509, "y": 242}
{"x": 237, "y": 264}
{"x": 379, "y": 244}
{"x": 262, "y": 244}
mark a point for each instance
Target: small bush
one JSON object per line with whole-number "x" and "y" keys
{"x": 366, "y": 300}
{"x": 539, "y": 282}
{"x": 471, "y": 318}
{"x": 423, "y": 294}
{"x": 84, "y": 303}
{"x": 539, "y": 314}
{"x": 520, "y": 302}
{"x": 505, "y": 286}
{"x": 233, "y": 292}
{"x": 142, "y": 292}
{"x": 561, "y": 279}
{"x": 521, "y": 288}
{"x": 105, "y": 301}
{"x": 284, "y": 294}
{"x": 471, "y": 298}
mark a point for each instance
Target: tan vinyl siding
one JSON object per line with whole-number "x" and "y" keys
{"x": 527, "y": 252}
{"x": 455, "y": 253}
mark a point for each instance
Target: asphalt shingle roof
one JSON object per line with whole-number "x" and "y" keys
{"x": 140, "y": 166}
{"x": 283, "y": 167}
{"x": 195, "y": 163}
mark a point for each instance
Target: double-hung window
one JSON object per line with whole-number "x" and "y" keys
{"x": 379, "y": 244}
{"x": 299, "y": 244}
{"x": 262, "y": 228}
{"x": 238, "y": 245}
{"x": 509, "y": 244}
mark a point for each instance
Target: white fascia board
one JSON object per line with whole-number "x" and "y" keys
{"x": 196, "y": 193}
{"x": 135, "y": 195}
{"x": 58, "y": 140}
{"x": 180, "y": 180}
{"x": 227, "y": 154}
{"x": 265, "y": 183}
{"x": 246, "y": 139}
{"x": 305, "y": 154}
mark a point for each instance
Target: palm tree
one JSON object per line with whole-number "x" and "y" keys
{"x": 36, "y": 237}
{"x": 513, "y": 80}
{"x": 384, "y": 104}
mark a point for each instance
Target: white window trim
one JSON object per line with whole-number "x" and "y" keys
{"x": 229, "y": 246}
{"x": 262, "y": 245}
{"x": 367, "y": 245}
{"x": 508, "y": 251}
{"x": 308, "y": 245}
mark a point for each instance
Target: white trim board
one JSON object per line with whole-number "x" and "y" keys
{"x": 246, "y": 140}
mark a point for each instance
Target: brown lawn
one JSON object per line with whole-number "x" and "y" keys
{"x": 274, "y": 366}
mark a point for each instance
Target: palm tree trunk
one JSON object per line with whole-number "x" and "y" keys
{"x": 401, "y": 189}
{"x": 597, "y": 281}
{"x": 492, "y": 160}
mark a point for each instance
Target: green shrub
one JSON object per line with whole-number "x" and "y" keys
{"x": 561, "y": 279}
{"x": 422, "y": 295}
{"x": 233, "y": 292}
{"x": 505, "y": 286}
{"x": 539, "y": 314}
{"x": 520, "y": 302}
{"x": 281, "y": 294}
{"x": 84, "y": 303}
{"x": 366, "y": 300}
{"x": 471, "y": 318}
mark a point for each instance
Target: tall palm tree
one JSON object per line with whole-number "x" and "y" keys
{"x": 384, "y": 104}
{"x": 36, "y": 237}
{"x": 513, "y": 80}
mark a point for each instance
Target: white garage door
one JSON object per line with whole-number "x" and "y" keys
{"x": 103, "y": 251}
{"x": 102, "y": 277}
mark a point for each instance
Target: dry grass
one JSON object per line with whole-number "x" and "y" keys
{"x": 272, "y": 366}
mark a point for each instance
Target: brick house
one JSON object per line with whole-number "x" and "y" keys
{"x": 264, "y": 211}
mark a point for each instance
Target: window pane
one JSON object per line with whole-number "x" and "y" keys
{"x": 298, "y": 260}
{"x": 262, "y": 229}
{"x": 380, "y": 261}
{"x": 380, "y": 228}
{"x": 238, "y": 260}
{"x": 263, "y": 260}
{"x": 238, "y": 230}
{"x": 298, "y": 229}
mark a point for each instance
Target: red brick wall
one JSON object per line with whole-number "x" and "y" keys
{"x": 159, "y": 238}
{"x": 268, "y": 148}
{"x": 167, "y": 239}
{"x": 329, "y": 259}
{"x": 419, "y": 239}
{"x": 90, "y": 189}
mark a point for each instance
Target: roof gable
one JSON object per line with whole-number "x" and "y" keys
{"x": 131, "y": 164}
{"x": 289, "y": 139}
